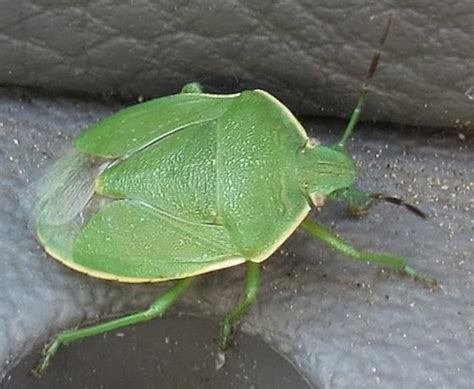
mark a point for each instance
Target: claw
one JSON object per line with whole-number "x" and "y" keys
{"x": 48, "y": 352}
{"x": 419, "y": 277}
{"x": 225, "y": 337}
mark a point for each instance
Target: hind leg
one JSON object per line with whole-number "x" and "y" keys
{"x": 158, "y": 308}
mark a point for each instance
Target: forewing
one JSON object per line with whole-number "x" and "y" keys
{"x": 176, "y": 174}
{"x": 62, "y": 193}
{"x": 133, "y": 242}
{"x": 135, "y": 128}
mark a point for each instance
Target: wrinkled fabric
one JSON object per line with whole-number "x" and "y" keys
{"x": 312, "y": 54}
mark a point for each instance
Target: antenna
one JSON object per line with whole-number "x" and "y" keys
{"x": 395, "y": 200}
{"x": 365, "y": 86}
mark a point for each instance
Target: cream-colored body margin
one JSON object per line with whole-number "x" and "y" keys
{"x": 274, "y": 100}
{"x": 215, "y": 266}
{"x": 298, "y": 220}
{"x": 288, "y": 113}
{"x": 216, "y": 96}
{"x": 136, "y": 280}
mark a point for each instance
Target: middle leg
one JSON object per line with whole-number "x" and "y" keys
{"x": 234, "y": 316}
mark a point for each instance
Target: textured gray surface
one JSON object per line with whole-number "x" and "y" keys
{"x": 313, "y": 54}
{"x": 344, "y": 324}
{"x": 171, "y": 353}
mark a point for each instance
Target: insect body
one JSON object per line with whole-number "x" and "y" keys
{"x": 219, "y": 181}
{"x": 188, "y": 184}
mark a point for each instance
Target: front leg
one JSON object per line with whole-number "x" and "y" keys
{"x": 332, "y": 240}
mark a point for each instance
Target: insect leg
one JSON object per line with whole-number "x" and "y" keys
{"x": 192, "y": 87}
{"x": 365, "y": 87}
{"x": 158, "y": 308}
{"x": 251, "y": 290}
{"x": 340, "y": 245}
{"x": 360, "y": 202}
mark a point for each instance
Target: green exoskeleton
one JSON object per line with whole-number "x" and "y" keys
{"x": 192, "y": 183}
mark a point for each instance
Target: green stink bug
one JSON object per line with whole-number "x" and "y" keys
{"x": 191, "y": 183}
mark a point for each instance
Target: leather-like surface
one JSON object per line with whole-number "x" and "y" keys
{"x": 313, "y": 54}
{"x": 343, "y": 323}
